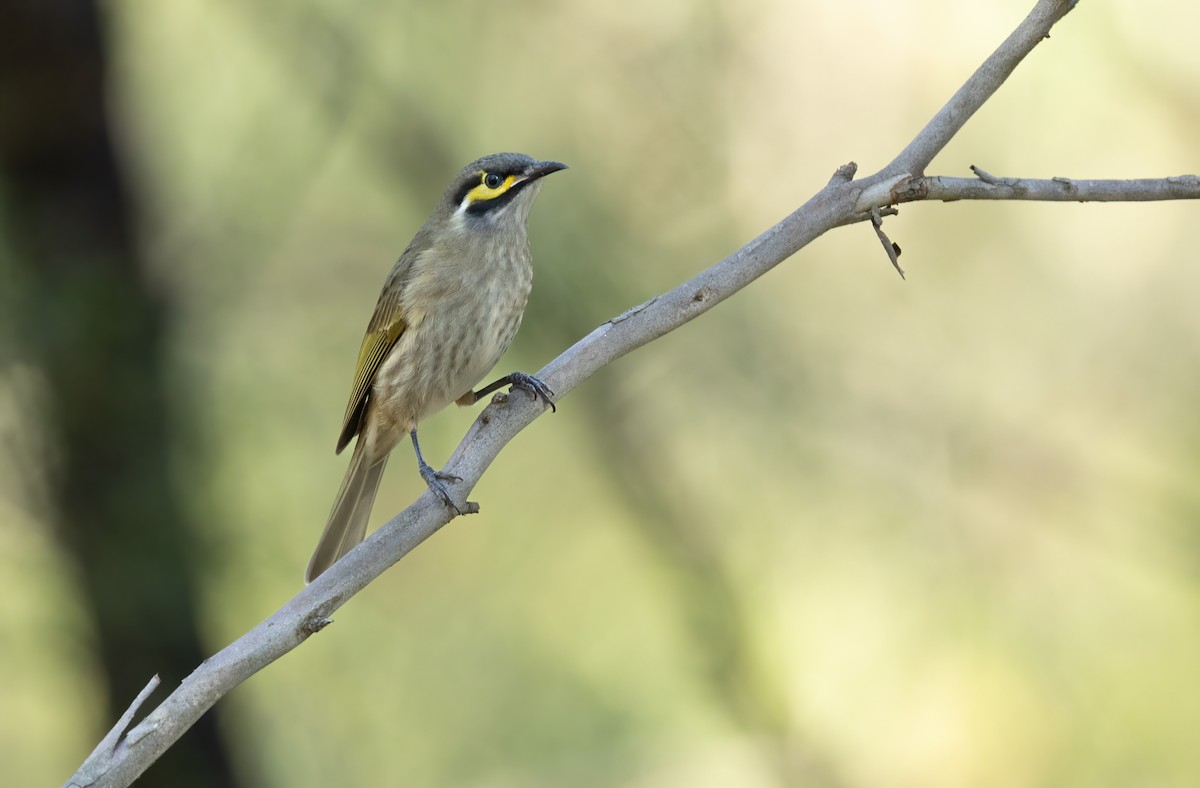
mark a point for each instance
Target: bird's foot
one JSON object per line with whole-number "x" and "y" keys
{"x": 436, "y": 479}
{"x": 534, "y": 387}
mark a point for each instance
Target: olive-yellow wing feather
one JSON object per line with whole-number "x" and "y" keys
{"x": 387, "y": 325}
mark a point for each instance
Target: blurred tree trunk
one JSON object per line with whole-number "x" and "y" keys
{"x": 96, "y": 329}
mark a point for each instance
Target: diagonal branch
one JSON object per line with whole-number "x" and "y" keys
{"x": 842, "y": 201}
{"x": 975, "y": 92}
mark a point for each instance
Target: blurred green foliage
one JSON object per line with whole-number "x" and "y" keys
{"x": 844, "y": 531}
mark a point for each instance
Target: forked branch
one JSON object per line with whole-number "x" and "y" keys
{"x": 843, "y": 200}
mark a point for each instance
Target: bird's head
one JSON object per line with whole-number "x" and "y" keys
{"x": 497, "y": 189}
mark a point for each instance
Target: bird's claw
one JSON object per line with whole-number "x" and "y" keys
{"x": 434, "y": 479}
{"x": 535, "y": 388}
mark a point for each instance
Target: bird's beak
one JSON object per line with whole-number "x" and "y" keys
{"x": 542, "y": 169}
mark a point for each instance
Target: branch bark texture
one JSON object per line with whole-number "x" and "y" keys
{"x": 989, "y": 187}
{"x": 844, "y": 200}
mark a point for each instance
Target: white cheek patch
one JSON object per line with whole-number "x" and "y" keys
{"x": 459, "y": 219}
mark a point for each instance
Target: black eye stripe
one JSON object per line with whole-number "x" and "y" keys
{"x": 461, "y": 193}
{"x": 463, "y": 189}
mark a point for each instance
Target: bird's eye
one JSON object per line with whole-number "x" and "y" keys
{"x": 492, "y": 180}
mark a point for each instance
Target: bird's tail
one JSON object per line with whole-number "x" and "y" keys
{"x": 347, "y": 524}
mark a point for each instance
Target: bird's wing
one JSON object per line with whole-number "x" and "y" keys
{"x": 387, "y": 325}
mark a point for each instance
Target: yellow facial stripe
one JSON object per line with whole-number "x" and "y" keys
{"x": 482, "y": 192}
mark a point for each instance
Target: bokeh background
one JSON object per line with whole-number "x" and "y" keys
{"x": 842, "y": 531}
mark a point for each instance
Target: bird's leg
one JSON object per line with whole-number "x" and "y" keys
{"x": 434, "y": 478}
{"x": 518, "y": 380}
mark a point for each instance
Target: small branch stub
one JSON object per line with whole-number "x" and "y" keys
{"x": 314, "y": 625}
{"x": 986, "y": 176}
{"x": 107, "y": 748}
{"x": 845, "y": 173}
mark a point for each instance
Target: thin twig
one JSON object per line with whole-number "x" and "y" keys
{"x": 989, "y": 187}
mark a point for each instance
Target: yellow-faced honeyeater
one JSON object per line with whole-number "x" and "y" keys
{"x": 448, "y": 310}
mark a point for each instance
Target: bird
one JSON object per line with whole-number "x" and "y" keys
{"x": 448, "y": 311}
